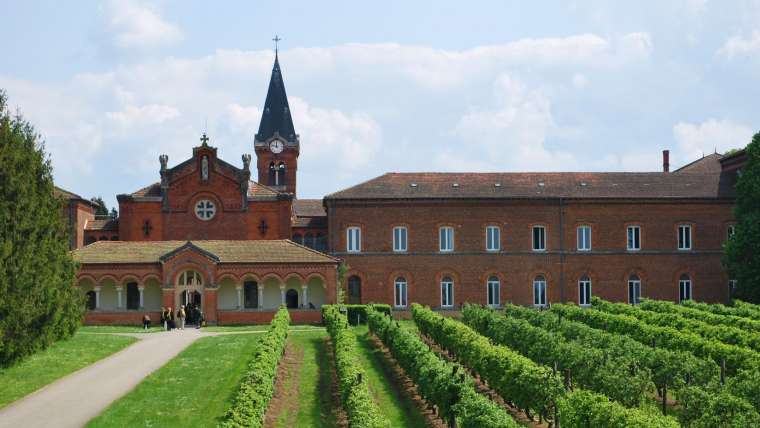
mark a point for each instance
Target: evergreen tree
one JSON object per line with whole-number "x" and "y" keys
{"x": 100, "y": 206}
{"x": 38, "y": 301}
{"x": 742, "y": 259}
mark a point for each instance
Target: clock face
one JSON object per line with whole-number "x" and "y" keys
{"x": 276, "y": 146}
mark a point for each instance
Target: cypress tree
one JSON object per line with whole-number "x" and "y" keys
{"x": 38, "y": 301}
{"x": 742, "y": 258}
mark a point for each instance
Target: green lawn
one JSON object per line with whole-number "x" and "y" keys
{"x": 309, "y": 389}
{"x": 192, "y": 390}
{"x": 57, "y": 361}
{"x": 118, "y": 329}
{"x": 399, "y": 409}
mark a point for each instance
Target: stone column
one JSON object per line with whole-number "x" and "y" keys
{"x": 118, "y": 297}
{"x": 261, "y": 295}
{"x": 239, "y": 289}
{"x": 304, "y": 296}
{"x": 141, "y": 289}
{"x": 97, "y": 297}
{"x": 282, "y": 294}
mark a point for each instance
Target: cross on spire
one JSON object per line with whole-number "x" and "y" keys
{"x": 276, "y": 41}
{"x": 204, "y": 139}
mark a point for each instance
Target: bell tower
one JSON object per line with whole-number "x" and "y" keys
{"x": 276, "y": 144}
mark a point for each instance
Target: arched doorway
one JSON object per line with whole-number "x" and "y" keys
{"x": 189, "y": 293}
{"x": 354, "y": 290}
{"x": 291, "y": 299}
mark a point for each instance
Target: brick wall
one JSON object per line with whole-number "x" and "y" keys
{"x": 659, "y": 263}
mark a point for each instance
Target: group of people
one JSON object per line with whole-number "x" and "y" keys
{"x": 191, "y": 314}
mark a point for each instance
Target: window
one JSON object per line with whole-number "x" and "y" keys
{"x": 446, "y": 236}
{"x": 354, "y": 290}
{"x": 399, "y": 239}
{"x": 190, "y": 277}
{"x": 250, "y": 294}
{"x": 353, "y": 240}
{"x": 493, "y": 239}
{"x": 308, "y": 240}
{"x": 634, "y": 290}
{"x": 732, "y": 284}
{"x": 320, "y": 242}
{"x": 584, "y": 291}
{"x": 399, "y": 294}
{"x": 298, "y": 238}
{"x": 684, "y": 237}
{"x": 539, "y": 291}
{"x": 634, "y": 238}
{"x": 133, "y": 296}
{"x": 447, "y": 292}
{"x": 492, "y": 287}
{"x": 684, "y": 288}
{"x": 205, "y": 209}
{"x": 730, "y": 231}
{"x": 584, "y": 238}
{"x": 539, "y": 238}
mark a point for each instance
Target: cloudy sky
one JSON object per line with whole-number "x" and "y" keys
{"x": 387, "y": 86}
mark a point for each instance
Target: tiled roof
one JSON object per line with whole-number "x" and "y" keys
{"x": 255, "y": 191}
{"x": 108, "y": 224}
{"x": 311, "y": 222}
{"x": 707, "y": 164}
{"x": 149, "y": 191}
{"x": 540, "y": 185}
{"x": 65, "y": 194}
{"x": 308, "y": 208}
{"x": 258, "y": 251}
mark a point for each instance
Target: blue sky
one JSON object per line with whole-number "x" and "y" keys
{"x": 383, "y": 86}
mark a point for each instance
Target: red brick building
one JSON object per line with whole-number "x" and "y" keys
{"x": 206, "y": 234}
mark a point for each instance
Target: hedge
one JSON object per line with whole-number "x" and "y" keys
{"x": 256, "y": 389}
{"x": 357, "y": 314}
{"x": 361, "y": 408}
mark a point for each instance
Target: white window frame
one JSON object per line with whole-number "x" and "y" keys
{"x": 400, "y": 290}
{"x": 684, "y": 288}
{"x": 583, "y": 235}
{"x": 636, "y": 285}
{"x": 446, "y": 243}
{"x": 732, "y": 284}
{"x": 493, "y": 282}
{"x": 542, "y": 235}
{"x": 447, "y": 292}
{"x": 633, "y": 242}
{"x": 730, "y": 231}
{"x": 400, "y": 232}
{"x": 353, "y": 243}
{"x": 584, "y": 291}
{"x": 493, "y": 238}
{"x": 684, "y": 237}
{"x": 539, "y": 285}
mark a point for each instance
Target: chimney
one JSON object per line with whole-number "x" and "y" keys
{"x": 666, "y": 161}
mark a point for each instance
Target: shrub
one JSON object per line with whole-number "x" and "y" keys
{"x": 357, "y": 401}
{"x": 256, "y": 389}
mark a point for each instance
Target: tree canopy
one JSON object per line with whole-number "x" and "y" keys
{"x": 742, "y": 258}
{"x": 38, "y": 301}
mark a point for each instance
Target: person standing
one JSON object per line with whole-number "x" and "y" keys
{"x": 146, "y": 322}
{"x": 164, "y": 321}
{"x": 181, "y": 317}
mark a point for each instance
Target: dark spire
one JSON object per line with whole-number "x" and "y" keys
{"x": 276, "y": 115}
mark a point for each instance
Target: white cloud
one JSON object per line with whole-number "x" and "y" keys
{"x": 149, "y": 115}
{"x": 694, "y": 140}
{"x": 137, "y": 25}
{"x": 511, "y": 137}
{"x": 738, "y": 45}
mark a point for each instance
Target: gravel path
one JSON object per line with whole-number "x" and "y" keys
{"x": 75, "y": 399}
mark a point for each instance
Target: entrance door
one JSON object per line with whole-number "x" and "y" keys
{"x": 354, "y": 290}
{"x": 291, "y": 299}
